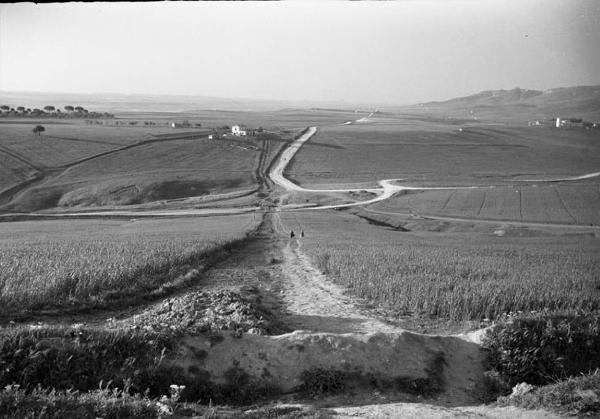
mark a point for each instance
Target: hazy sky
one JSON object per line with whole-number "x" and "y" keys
{"x": 405, "y": 51}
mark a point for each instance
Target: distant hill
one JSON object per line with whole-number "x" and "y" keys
{"x": 580, "y": 101}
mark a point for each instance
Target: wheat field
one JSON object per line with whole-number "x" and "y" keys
{"x": 457, "y": 275}
{"x": 45, "y": 263}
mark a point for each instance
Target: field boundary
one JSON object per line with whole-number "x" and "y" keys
{"x": 429, "y": 216}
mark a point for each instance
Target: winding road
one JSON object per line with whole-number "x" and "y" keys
{"x": 389, "y": 187}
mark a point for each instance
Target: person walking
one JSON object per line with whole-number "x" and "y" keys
{"x": 302, "y": 233}
{"x": 292, "y": 234}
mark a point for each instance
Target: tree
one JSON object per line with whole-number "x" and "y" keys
{"x": 39, "y": 129}
{"x": 69, "y": 108}
{"x": 78, "y": 108}
{"x": 5, "y": 107}
{"x": 20, "y": 108}
{"x": 49, "y": 108}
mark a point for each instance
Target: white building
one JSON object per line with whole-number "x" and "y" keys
{"x": 210, "y": 136}
{"x": 235, "y": 130}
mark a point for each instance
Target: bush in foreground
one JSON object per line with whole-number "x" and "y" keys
{"x": 81, "y": 359}
{"x": 576, "y": 395}
{"x": 17, "y": 403}
{"x": 539, "y": 349}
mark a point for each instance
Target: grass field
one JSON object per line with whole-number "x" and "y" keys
{"x": 61, "y": 144}
{"x": 49, "y": 263}
{"x": 14, "y": 171}
{"x": 435, "y": 153}
{"x": 168, "y": 169}
{"x": 566, "y": 203}
{"x": 453, "y": 275}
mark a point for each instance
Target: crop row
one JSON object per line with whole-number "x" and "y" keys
{"x": 565, "y": 204}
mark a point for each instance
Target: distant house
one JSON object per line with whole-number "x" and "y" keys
{"x": 569, "y": 122}
{"x": 184, "y": 124}
{"x": 237, "y": 131}
{"x": 211, "y": 136}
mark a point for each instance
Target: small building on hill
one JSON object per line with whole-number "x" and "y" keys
{"x": 237, "y": 131}
{"x": 184, "y": 124}
{"x": 569, "y": 122}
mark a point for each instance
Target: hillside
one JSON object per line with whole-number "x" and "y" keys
{"x": 577, "y": 102}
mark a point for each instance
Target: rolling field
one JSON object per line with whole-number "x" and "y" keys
{"x": 435, "y": 153}
{"x": 455, "y": 275}
{"x": 567, "y": 203}
{"x": 61, "y": 144}
{"x": 53, "y": 263}
{"x": 13, "y": 171}
{"x": 165, "y": 169}
{"x": 24, "y": 155}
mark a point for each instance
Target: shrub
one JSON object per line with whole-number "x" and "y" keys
{"x": 321, "y": 381}
{"x": 17, "y": 403}
{"x": 576, "y": 395}
{"x": 79, "y": 360}
{"x": 538, "y": 349}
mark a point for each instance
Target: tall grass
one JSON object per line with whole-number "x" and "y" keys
{"x": 95, "y": 261}
{"x": 454, "y": 276}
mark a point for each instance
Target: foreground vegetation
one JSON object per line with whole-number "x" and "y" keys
{"x": 544, "y": 348}
{"x": 459, "y": 276}
{"x": 578, "y": 395}
{"x": 546, "y": 361}
{"x": 46, "y": 264}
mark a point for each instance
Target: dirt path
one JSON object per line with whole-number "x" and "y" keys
{"x": 317, "y": 304}
{"x": 422, "y": 410}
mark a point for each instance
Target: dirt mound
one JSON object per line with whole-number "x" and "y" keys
{"x": 209, "y": 311}
{"x": 326, "y": 363}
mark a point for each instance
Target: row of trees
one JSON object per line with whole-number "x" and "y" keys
{"x": 51, "y": 111}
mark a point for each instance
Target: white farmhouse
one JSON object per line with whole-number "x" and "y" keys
{"x": 236, "y": 131}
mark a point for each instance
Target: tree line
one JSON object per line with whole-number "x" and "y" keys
{"x": 53, "y": 112}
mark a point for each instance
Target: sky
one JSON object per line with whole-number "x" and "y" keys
{"x": 403, "y": 52}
